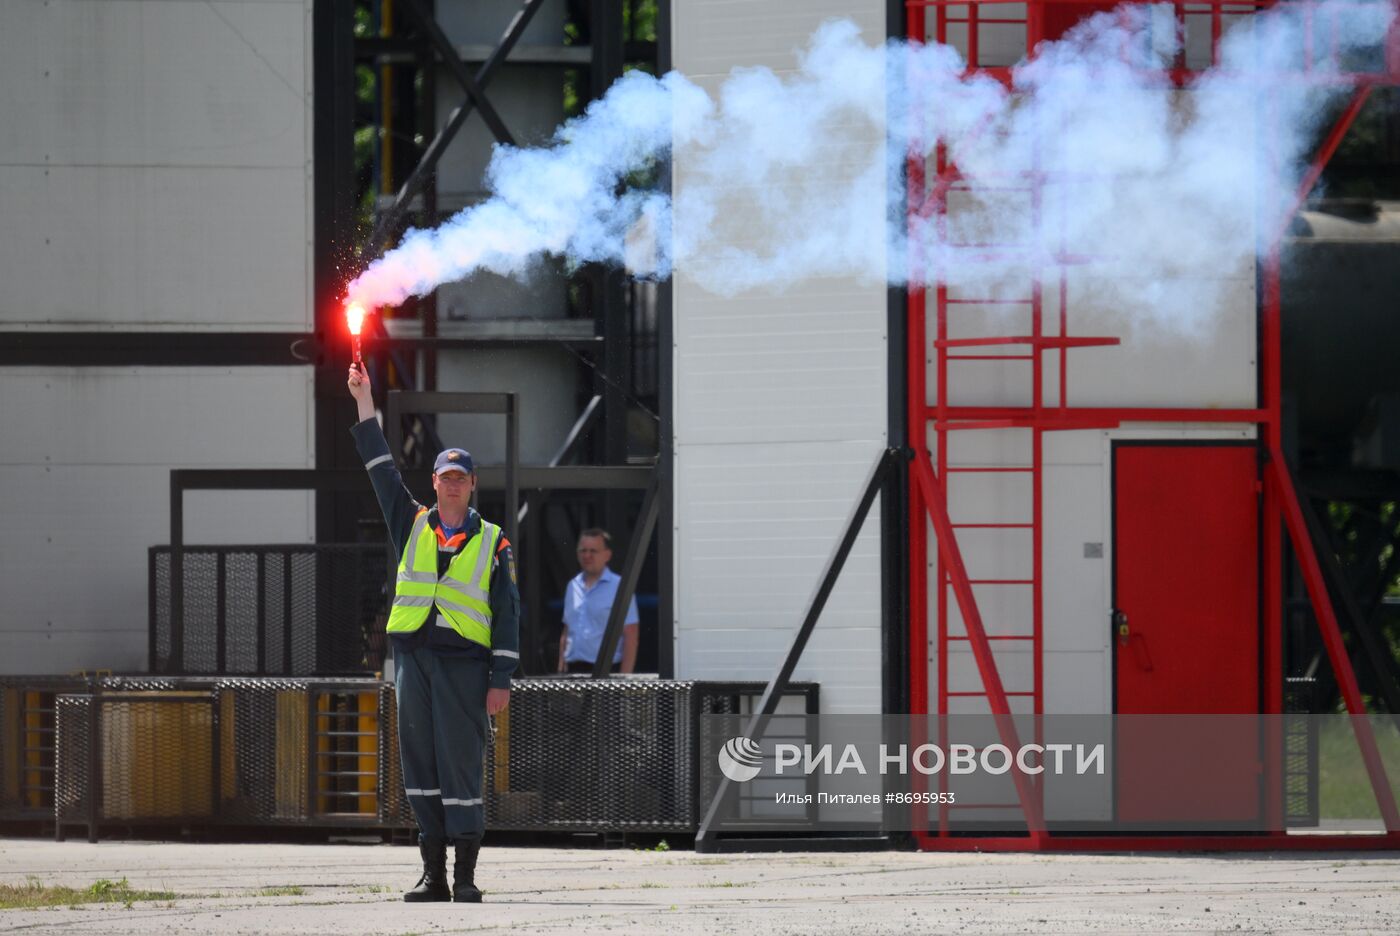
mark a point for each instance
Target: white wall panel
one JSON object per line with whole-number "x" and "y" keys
{"x": 155, "y": 172}
{"x": 779, "y": 409}
{"x": 115, "y": 247}
{"x": 155, "y": 83}
{"x": 807, "y": 364}
{"x": 84, "y": 492}
{"x": 755, "y": 525}
{"x": 713, "y": 36}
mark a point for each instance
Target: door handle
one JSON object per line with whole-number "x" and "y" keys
{"x": 1144, "y": 659}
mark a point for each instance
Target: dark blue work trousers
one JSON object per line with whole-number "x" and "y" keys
{"x": 442, "y": 740}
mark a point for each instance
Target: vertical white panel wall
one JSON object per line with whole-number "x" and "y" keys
{"x": 155, "y": 167}
{"x": 779, "y": 410}
{"x": 155, "y": 175}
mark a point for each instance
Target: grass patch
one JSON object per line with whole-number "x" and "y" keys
{"x": 33, "y": 893}
{"x": 1344, "y": 787}
{"x": 283, "y": 890}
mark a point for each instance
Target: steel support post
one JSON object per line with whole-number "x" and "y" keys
{"x": 637, "y": 548}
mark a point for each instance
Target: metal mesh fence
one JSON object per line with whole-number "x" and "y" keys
{"x": 593, "y": 754}
{"x": 1300, "y": 754}
{"x": 263, "y": 739}
{"x": 568, "y": 754}
{"x": 137, "y": 757}
{"x": 73, "y": 766}
{"x": 605, "y": 755}
{"x": 270, "y": 610}
{"x": 394, "y": 810}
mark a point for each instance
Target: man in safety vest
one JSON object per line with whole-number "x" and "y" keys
{"x": 455, "y": 629}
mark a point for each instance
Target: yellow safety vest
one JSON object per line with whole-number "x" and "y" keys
{"x": 461, "y": 595}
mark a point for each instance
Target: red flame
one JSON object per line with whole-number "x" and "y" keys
{"x": 354, "y": 317}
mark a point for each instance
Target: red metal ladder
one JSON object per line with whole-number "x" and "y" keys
{"x": 934, "y": 483}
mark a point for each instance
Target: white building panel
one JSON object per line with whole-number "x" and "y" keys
{"x": 134, "y": 248}
{"x": 808, "y": 364}
{"x": 85, "y": 491}
{"x": 159, "y": 156}
{"x": 755, "y": 525}
{"x": 150, "y": 82}
{"x": 779, "y": 409}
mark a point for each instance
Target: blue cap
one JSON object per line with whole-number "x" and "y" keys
{"x": 454, "y": 459}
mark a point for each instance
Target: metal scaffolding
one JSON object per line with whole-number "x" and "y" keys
{"x": 927, "y": 308}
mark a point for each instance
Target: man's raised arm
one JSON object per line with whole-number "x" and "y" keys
{"x": 395, "y": 501}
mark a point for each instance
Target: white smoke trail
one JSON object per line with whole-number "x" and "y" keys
{"x": 781, "y": 178}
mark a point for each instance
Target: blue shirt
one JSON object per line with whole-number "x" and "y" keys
{"x": 586, "y": 613}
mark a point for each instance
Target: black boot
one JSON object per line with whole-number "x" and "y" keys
{"x": 464, "y": 873}
{"x": 432, "y": 886}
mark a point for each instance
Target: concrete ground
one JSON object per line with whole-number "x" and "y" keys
{"x": 351, "y": 889}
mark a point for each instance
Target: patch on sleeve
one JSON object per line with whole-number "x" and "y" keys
{"x": 510, "y": 566}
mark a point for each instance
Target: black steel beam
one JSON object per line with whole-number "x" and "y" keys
{"x": 665, "y": 467}
{"x": 575, "y": 434}
{"x": 894, "y": 526}
{"x": 427, "y": 165}
{"x": 158, "y": 349}
{"x": 533, "y": 477}
{"x": 420, "y": 402}
{"x": 583, "y": 343}
{"x": 608, "y": 284}
{"x": 454, "y": 64}
{"x": 637, "y": 549}
{"x": 333, "y": 239}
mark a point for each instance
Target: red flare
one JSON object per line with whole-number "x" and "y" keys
{"x": 355, "y": 319}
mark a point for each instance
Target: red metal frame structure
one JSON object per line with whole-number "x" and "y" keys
{"x": 928, "y": 486}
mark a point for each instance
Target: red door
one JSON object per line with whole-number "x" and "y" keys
{"x": 1186, "y": 633}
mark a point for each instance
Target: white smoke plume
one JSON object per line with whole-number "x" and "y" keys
{"x": 780, "y": 178}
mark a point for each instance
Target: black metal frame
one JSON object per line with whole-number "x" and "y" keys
{"x": 665, "y": 398}
{"x": 420, "y": 44}
{"x": 894, "y": 511}
{"x": 216, "y": 479}
{"x": 474, "y": 87}
{"x": 159, "y": 349}
{"x": 514, "y": 479}
{"x": 403, "y": 403}
{"x": 263, "y": 554}
{"x": 637, "y": 548}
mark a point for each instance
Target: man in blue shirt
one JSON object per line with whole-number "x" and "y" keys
{"x": 588, "y": 601}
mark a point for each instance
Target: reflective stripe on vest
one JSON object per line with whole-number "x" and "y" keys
{"x": 461, "y": 596}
